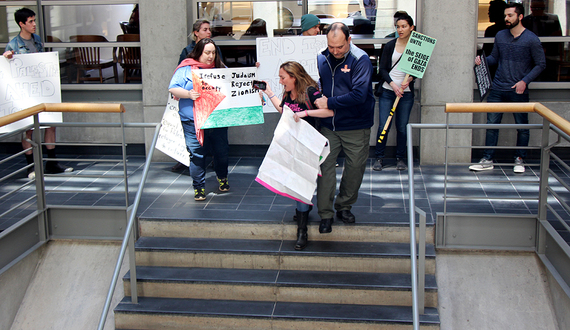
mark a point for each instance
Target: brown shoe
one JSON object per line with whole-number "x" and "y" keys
{"x": 179, "y": 167}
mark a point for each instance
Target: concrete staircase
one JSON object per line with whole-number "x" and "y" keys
{"x": 196, "y": 274}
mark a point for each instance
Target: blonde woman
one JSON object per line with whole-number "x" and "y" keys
{"x": 299, "y": 93}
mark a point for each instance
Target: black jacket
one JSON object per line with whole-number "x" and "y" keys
{"x": 386, "y": 64}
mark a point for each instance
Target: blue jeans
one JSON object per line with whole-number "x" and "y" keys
{"x": 492, "y": 135}
{"x": 302, "y": 207}
{"x": 402, "y": 114}
{"x": 216, "y": 141}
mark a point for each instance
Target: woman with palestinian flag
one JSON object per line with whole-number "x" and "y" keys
{"x": 203, "y": 56}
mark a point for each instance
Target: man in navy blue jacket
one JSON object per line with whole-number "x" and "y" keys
{"x": 346, "y": 79}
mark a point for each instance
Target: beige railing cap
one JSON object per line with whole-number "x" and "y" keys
{"x": 538, "y": 108}
{"x": 61, "y": 107}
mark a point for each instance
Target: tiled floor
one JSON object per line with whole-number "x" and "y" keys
{"x": 383, "y": 196}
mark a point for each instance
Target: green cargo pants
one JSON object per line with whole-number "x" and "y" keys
{"x": 355, "y": 145}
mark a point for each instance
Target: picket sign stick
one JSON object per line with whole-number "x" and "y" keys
{"x": 383, "y": 134}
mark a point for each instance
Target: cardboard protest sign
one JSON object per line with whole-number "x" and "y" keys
{"x": 292, "y": 163}
{"x": 272, "y": 52}
{"x": 417, "y": 54}
{"x": 483, "y": 76}
{"x": 241, "y": 104}
{"x": 171, "y": 139}
{"x": 27, "y": 80}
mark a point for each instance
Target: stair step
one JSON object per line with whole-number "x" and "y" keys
{"x": 279, "y": 285}
{"x": 385, "y": 215}
{"x": 172, "y": 313}
{"x": 278, "y": 230}
{"x": 277, "y": 254}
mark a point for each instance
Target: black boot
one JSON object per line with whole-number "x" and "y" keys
{"x": 302, "y": 237}
{"x": 53, "y": 166}
{"x": 295, "y": 215}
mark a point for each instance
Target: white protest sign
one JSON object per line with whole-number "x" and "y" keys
{"x": 242, "y": 104}
{"x": 27, "y": 80}
{"x": 171, "y": 139}
{"x": 292, "y": 163}
{"x": 272, "y": 52}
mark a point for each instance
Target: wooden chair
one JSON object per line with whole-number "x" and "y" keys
{"x": 89, "y": 58}
{"x": 130, "y": 58}
{"x": 65, "y": 64}
{"x": 564, "y": 66}
{"x": 124, "y": 26}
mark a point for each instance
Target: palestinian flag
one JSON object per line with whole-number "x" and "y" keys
{"x": 204, "y": 105}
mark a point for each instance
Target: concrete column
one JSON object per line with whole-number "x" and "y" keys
{"x": 162, "y": 40}
{"x": 449, "y": 77}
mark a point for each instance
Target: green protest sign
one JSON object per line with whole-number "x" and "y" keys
{"x": 417, "y": 54}
{"x": 413, "y": 62}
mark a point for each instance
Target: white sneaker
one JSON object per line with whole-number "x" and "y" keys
{"x": 484, "y": 165}
{"x": 519, "y": 167}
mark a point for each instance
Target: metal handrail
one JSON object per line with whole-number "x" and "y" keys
{"x": 414, "y": 266}
{"x": 61, "y": 107}
{"x": 128, "y": 241}
{"x": 129, "y": 236}
{"x": 34, "y": 112}
{"x": 551, "y": 116}
{"x": 557, "y": 123}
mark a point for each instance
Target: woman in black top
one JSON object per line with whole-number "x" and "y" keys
{"x": 394, "y": 86}
{"x": 299, "y": 93}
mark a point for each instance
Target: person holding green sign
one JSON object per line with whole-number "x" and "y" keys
{"x": 395, "y": 86}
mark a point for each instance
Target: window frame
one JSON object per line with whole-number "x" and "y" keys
{"x": 39, "y": 4}
{"x": 535, "y": 85}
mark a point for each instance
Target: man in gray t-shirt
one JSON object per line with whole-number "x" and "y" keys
{"x": 30, "y": 45}
{"x": 520, "y": 59}
{"x": 24, "y": 43}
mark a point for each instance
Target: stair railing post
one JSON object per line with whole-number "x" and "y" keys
{"x": 40, "y": 184}
{"x": 543, "y": 185}
{"x": 421, "y": 259}
{"x": 413, "y": 254}
{"x": 133, "y": 267}
{"x": 132, "y": 236}
{"x": 129, "y": 232}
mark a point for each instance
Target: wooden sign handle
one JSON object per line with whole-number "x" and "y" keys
{"x": 383, "y": 134}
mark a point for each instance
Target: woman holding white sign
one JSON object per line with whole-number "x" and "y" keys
{"x": 299, "y": 94}
{"x": 394, "y": 86}
{"x": 203, "y": 56}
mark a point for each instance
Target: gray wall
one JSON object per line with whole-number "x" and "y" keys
{"x": 13, "y": 286}
{"x": 449, "y": 77}
{"x": 162, "y": 39}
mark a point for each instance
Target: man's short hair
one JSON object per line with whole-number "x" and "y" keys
{"x": 338, "y": 26}
{"x": 519, "y": 9}
{"x": 22, "y": 15}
